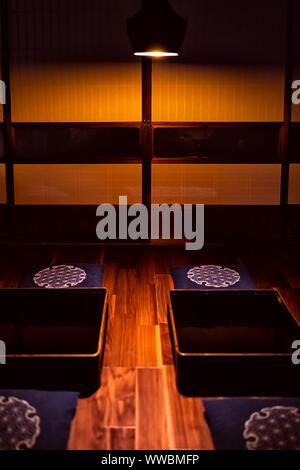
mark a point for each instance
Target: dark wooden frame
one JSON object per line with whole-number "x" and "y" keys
{"x": 73, "y": 160}
{"x": 223, "y": 125}
{"x": 146, "y": 129}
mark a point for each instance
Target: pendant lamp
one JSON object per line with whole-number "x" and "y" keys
{"x": 156, "y": 30}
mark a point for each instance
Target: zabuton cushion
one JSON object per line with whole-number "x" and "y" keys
{"x": 254, "y": 424}
{"x": 212, "y": 277}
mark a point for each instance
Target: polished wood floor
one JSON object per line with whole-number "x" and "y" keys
{"x": 138, "y": 405}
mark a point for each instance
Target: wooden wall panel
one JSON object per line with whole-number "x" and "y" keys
{"x": 212, "y": 93}
{"x": 2, "y": 185}
{"x": 216, "y": 184}
{"x": 77, "y": 184}
{"x": 294, "y": 186}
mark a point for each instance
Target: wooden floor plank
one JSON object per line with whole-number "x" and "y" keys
{"x": 122, "y": 439}
{"x": 112, "y": 439}
{"x": 127, "y": 301}
{"x": 146, "y": 307}
{"x": 109, "y": 329}
{"x": 148, "y": 346}
{"x": 152, "y": 261}
{"x": 186, "y": 424}
{"x": 123, "y": 342}
{"x": 151, "y": 422}
{"x": 115, "y": 400}
{"x": 81, "y": 255}
{"x": 163, "y": 284}
{"x": 166, "y": 346}
{"x": 110, "y": 277}
{"x": 86, "y": 431}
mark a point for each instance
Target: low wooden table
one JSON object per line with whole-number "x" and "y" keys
{"x": 54, "y": 337}
{"x": 233, "y": 343}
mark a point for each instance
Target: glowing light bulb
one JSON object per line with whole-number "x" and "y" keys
{"x": 156, "y": 54}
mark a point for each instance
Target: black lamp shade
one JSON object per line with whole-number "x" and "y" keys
{"x": 156, "y": 30}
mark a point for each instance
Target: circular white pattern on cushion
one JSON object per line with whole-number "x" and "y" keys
{"x": 60, "y": 277}
{"x": 19, "y": 424}
{"x": 213, "y": 276}
{"x": 276, "y": 428}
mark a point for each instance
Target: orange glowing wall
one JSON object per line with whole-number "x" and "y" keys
{"x": 217, "y": 184}
{"x": 77, "y": 184}
{"x": 76, "y": 93}
{"x": 112, "y": 93}
{"x": 193, "y": 92}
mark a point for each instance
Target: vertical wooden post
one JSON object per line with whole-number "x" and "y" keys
{"x": 147, "y": 129}
{"x": 8, "y": 129}
{"x": 287, "y": 120}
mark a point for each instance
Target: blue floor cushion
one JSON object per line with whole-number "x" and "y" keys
{"x": 254, "y": 424}
{"x": 212, "y": 277}
{"x": 35, "y": 420}
{"x": 64, "y": 276}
